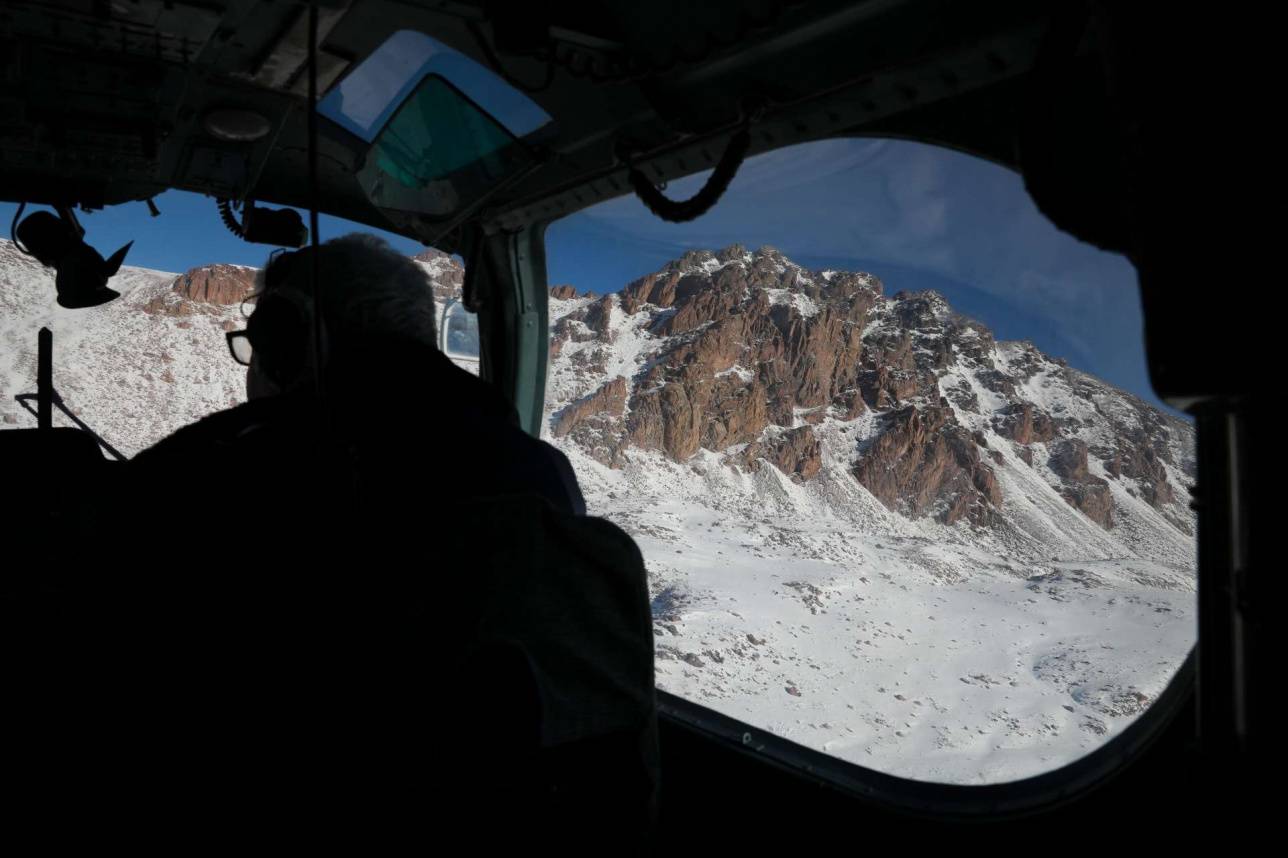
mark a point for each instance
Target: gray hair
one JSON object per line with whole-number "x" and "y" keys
{"x": 365, "y": 287}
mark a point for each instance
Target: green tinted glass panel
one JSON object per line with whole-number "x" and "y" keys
{"x": 437, "y": 132}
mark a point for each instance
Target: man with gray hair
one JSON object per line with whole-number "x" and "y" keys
{"x": 366, "y": 290}
{"x": 372, "y": 346}
{"x": 387, "y": 592}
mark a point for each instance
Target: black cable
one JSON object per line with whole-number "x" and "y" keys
{"x": 13, "y": 229}
{"x": 680, "y": 211}
{"x": 229, "y": 219}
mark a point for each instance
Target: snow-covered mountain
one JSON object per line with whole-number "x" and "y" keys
{"x": 870, "y": 527}
{"x": 134, "y": 369}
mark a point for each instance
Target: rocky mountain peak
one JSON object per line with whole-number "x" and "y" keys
{"x": 731, "y": 253}
{"x": 750, "y": 356}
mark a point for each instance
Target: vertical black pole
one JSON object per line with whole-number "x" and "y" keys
{"x": 1222, "y": 666}
{"x": 45, "y": 379}
{"x": 313, "y": 199}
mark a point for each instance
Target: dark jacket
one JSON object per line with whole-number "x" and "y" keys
{"x": 388, "y": 597}
{"x": 390, "y": 410}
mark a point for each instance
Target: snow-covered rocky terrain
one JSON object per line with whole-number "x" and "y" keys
{"x": 134, "y": 369}
{"x": 869, "y": 527}
{"x": 872, "y": 529}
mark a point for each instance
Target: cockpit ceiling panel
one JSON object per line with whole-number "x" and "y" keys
{"x": 104, "y": 101}
{"x": 283, "y": 64}
{"x": 169, "y": 30}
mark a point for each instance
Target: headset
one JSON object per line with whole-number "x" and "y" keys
{"x": 285, "y": 335}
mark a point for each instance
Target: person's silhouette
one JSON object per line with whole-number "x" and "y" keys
{"x": 391, "y": 584}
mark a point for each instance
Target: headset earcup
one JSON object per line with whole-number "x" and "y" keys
{"x": 279, "y": 333}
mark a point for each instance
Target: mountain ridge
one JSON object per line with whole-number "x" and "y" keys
{"x": 743, "y": 352}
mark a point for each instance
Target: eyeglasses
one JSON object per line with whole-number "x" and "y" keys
{"x": 281, "y": 315}
{"x": 239, "y": 345}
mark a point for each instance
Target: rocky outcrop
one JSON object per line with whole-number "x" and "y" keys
{"x": 609, "y": 400}
{"x": 1139, "y": 457}
{"x": 594, "y": 421}
{"x": 225, "y": 285}
{"x": 1024, "y": 423}
{"x": 924, "y": 462}
{"x": 563, "y": 293}
{"x": 742, "y": 357}
{"x": 207, "y": 288}
{"x": 1082, "y": 489}
{"x": 795, "y": 452}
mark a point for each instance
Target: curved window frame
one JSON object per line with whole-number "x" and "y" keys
{"x": 947, "y": 802}
{"x": 942, "y": 801}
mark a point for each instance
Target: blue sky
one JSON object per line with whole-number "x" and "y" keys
{"x": 917, "y": 216}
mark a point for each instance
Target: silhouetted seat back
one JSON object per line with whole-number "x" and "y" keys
{"x": 560, "y": 604}
{"x": 53, "y": 480}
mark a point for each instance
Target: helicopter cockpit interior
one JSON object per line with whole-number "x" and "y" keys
{"x": 473, "y": 126}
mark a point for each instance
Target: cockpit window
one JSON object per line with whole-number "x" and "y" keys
{"x": 442, "y": 129}
{"x": 886, "y": 441}
{"x": 365, "y": 100}
{"x": 138, "y": 368}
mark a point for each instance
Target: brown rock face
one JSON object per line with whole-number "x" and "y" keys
{"x": 594, "y": 421}
{"x": 599, "y": 314}
{"x": 205, "y": 289}
{"x": 1142, "y": 463}
{"x": 740, "y": 362}
{"x": 1081, "y": 489}
{"x": 563, "y": 293}
{"x": 795, "y": 452}
{"x": 608, "y": 400}
{"x": 1025, "y": 423}
{"x": 924, "y": 461}
{"x": 216, "y": 284}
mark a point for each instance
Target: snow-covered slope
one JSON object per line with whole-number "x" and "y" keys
{"x": 1018, "y": 637}
{"x": 134, "y": 376}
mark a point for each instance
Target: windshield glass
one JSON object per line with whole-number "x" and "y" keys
{"x": 155, "y": 359}
{"x": 887, "y": 442}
